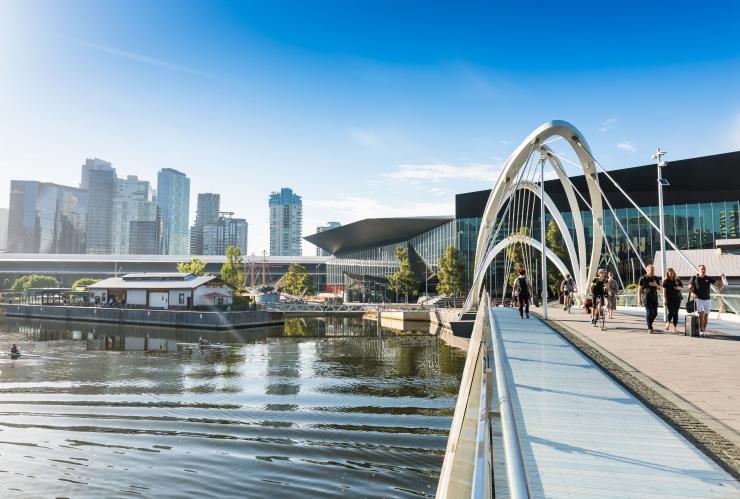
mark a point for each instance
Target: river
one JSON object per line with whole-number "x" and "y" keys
{"x": 322, "y": 407}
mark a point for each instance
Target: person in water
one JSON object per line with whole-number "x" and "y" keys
{"x": 203, "y": 340}
{"x": 14, "y": 351}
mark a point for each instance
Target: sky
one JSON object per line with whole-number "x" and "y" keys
{"x": 366, "y": 109}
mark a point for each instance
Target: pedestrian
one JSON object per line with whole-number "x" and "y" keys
{"x": 522, "y": 291}
{"x": 612, "y": 293}
{"x": 598, "y": 294}
{"x": 700, "y": 287}
{"x": 649, "y": 284}
{"x": 672, "y": 288}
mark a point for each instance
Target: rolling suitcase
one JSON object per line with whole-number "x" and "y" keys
{"x": 691, "y": 325}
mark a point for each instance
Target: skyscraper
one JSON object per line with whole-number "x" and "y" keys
{"x": 130, "y": 203}
{"x": 209, "y": 204}
{"x": 102, "y": 187}
{"x": 286, "y": 223}
{"x": 323, "y": 228}
{"x": 224, "y": 232}
{"x": 3, "y": 228}
{"x": 145, "y": 233}
{"x": 92, "y": 165}
{"x": 173, "y": 196}
{"x": 46, "y": 218}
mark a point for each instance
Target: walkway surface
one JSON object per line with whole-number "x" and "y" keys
{"x": 586, "y": 436}
{"x": 702, "y": 373}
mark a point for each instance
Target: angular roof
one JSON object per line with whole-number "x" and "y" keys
{"x": 121, "y": 283}
{"x": 373, "y": 232}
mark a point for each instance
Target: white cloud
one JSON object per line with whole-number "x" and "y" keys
{"x": 438, "y": 172}
{"x": 349, "y": 209}
{"x": 365, "y": 138}
{"x": 627, "y": 146}
{"x": 607, "y": 125}
{"x": 141, "y": 58}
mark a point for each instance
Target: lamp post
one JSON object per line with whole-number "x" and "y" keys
{"x": 542, "y": 236}
{"x": 658, "y": 157}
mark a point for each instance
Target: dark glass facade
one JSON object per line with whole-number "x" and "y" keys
{"x": 100, "y": 212}
{"x": 46, "y": 218}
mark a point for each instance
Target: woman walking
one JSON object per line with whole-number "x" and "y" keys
{"x": 612, "y": 293}
{"x": 521, "y": 288}
{"x": 672, "y": 287}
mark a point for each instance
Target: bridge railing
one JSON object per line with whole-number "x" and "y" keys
{"x": 467, "y": 470}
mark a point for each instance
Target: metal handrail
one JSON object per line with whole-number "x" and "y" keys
{"x": 516, "y": 472}
{"x": 482, "y": 487}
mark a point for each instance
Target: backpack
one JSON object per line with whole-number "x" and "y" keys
{"x": 523, "y": 286}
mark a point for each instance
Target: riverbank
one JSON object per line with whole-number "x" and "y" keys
{"x": 162, "y": 318}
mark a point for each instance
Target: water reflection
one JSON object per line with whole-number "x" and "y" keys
{"x": 330, "y": 406}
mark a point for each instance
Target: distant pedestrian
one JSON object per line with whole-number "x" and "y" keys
{"x": 612, "y": 293}
{"x": 649, "y": 284}
{"x": 700, "y": 286}
{"x": 672, "y": 288}
{"x": 523, "y": 292}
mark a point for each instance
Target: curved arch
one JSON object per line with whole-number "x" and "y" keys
{"x": 559, "y": 221}
{"x": 500, "y": 246}
{"x": 506, "y": 180}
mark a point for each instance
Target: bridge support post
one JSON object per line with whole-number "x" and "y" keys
{"x": 542, "y": 237}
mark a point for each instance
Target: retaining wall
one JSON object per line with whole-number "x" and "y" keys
{"x": 168, "y": 318}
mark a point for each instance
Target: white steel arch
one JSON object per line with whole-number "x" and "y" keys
{"x": 501, "y": 245}
{"x": 507, "y": 180}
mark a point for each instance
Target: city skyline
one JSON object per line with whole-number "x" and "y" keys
{"x": 243, "y": 100}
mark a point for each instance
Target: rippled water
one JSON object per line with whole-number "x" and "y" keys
{"x": 322, "y": 407}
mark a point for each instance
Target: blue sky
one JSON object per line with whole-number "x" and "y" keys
{"x": 364, "y": 108}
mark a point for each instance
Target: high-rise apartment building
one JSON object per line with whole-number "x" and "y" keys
{"x": 173, "y": 196}
{"x": 286, "y": 223}
{"x": 46, "y": 218}
{"x": 225, "y": 232}
{"x": 132, "y": 201}
{"x": 3, "y": 228}
{"x": 324, "y": 228}
{"x": 207, "y": 213}
{"x": 102, "y": 188}
{"x": 92, "y": 165}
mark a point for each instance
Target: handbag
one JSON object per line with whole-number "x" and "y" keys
{"x": 690, "y": 306}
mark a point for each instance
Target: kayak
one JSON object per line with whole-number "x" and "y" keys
{"x": 14, "y": 356}
{"x": 189, "y": 346}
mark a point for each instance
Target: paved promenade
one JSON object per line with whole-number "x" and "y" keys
{"x": 700, "y": 375}
{"x": 584, "y": 435}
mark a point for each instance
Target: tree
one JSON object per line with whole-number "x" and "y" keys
{"x": 84, "y": 282}
{"x": 34, "y": 281}
{"x": 231, "y": 271}
{"x": 515, "y": 253}
{"x": 403, "y": 281}
{"x": 195, "y": 266}
{"x": 298, "y": 281}
{"x": 450, "y": 273}
{"x": 555, "y": 244}
{"x": 7, "y": 284}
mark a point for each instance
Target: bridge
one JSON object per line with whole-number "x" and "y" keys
{"x": 542, "y": 412}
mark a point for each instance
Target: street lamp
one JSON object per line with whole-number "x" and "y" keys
{"x": 658, "y": 157}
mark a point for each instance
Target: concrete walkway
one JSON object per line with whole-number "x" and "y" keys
{"x": 586, "y": 436}
{"x": 703, "y": 374}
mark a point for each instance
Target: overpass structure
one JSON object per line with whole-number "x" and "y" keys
{"x": 535, "y": 417}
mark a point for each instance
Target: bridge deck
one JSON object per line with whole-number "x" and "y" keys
{"x": 583, "y": 435}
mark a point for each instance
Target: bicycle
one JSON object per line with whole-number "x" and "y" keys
{"x": 600, "y": 313}
{"x": 568, "y": 301}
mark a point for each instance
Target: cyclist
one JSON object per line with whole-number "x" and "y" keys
{"x": 598, "y": 294}
{"x": 567, "y": 288}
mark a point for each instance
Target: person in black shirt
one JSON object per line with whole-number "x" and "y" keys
{"x": 649, "y": 285}
{"x": 598, "y": 294}
{"x": 522, "y": 291}
{"x": 672, "y": 297}
{"x": 700, "y": 286}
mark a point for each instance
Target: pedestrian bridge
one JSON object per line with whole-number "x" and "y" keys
{"x": 536, "y": 418}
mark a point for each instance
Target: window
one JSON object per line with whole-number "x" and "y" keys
{"x": 182, "y": 299}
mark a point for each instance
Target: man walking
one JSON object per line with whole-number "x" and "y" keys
{"x": 521, "y": 288}
{"x": 700, "y": 287}
{"x": 649, "y": 284}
